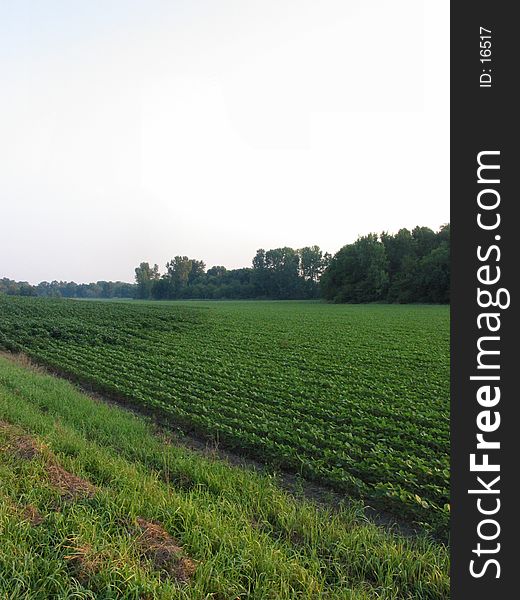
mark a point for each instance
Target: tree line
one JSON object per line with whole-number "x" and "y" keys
{"x": 409, "y": 266}
{"x": 280, "y": 274}
{"x": 68, "y": 289}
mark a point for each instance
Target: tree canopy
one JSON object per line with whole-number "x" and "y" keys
{"x": 408, "y": 266}
{"x": 279, "y": 273}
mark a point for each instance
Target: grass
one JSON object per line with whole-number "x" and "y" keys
{"x": 84, "y": 484}
{"x": 356, "y": 397}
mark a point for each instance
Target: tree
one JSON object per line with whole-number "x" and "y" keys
{"x": 218, "y": 271}
{"x": 405, "y": 267}
{"x": 26, "y": 289}
{"x": 358, "y": 272}
{"x": 178, "y": 272}
{"x": 282, "y": 265}
{"x": 401, "y": 249}
{"x": 161, "y": 288}
{"x": 260, "y": 274}
{"x": 312, "y": 263}
{"x": 107, "y": 288}
{"x": 144, "y": 277}
{"x": 198, "y": 269}
{"x": 405, "y": 283}
{"x": 425, "y": 239}
{"x": 435, "y": 275}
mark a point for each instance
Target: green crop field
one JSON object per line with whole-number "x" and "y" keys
{"x": 97, "y": 503}
{"x": 354, "y": 396}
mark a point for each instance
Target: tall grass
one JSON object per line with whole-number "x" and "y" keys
{"x": 247, "y": 537}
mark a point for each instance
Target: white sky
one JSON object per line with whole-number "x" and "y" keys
{"x": 135, "y": 131}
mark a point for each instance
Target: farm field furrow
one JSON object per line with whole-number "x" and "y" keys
{"x": 355, "y": 396}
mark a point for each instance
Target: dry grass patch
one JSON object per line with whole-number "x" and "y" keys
{"x": 84, "y": 562}
{"x": 26, "y": 447}
{"x": 164, "y": 551}
{"x": 32, "y": 514}
{"x": 21, "y": 359}
{"x": 27, "y": 513}
{"x": 18, "y": 443}
{"x": 67, "y": 483}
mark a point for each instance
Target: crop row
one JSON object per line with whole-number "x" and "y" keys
{"x": 356, "y": 397}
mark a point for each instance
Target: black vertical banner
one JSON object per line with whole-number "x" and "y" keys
{"x": 485, "y": 417}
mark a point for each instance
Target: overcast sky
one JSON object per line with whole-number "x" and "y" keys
{"x": 134, "y": 131}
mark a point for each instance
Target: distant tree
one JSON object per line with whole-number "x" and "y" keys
{"x": 144, "y": 277}
{"x": 218, "y": 271}
{"x": 401, "y": 249}
{"x": 70, "y": 289}
{"x": 260, "y": 274}
{"x": 405, "y": 283}
{"x": 259, "y": 259}
{"x": 444, "y": 234}
{"x": 283, "y": 279}
{"x": 405, "y": 267}
{"x": 26, "y": 289}
{"x": 161, "y": 288}
{"x": 425, "y": 239}
{"x": 197, "y": 271}
{"x": 435, "y": 271}
{"x": 178, "y": 272}
{"x": 93, "y": 290}
{"x": 107, "y": 288}
{"x": 55, "y": 289}
{"x": 124, "y": 290}
{"x": 312, "y": 263}
{"x": 358, "y": 272}
{"x": 278, "y": 273}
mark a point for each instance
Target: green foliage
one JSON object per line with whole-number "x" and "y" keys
{"x": 68, "y": 289}
{"x": 354, "y": 396}
{"x": 16, "y": 288}
{"x": 144, "y": 277}
{"x": 284, "y": 273}
{"x": 280, "y": 273}
{"x": 405, "y": 267}
{"x": 358, "y": 272}
{"x": 248, "y": 538}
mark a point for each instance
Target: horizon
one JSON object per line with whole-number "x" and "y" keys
{"x": 162, "y": 268}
